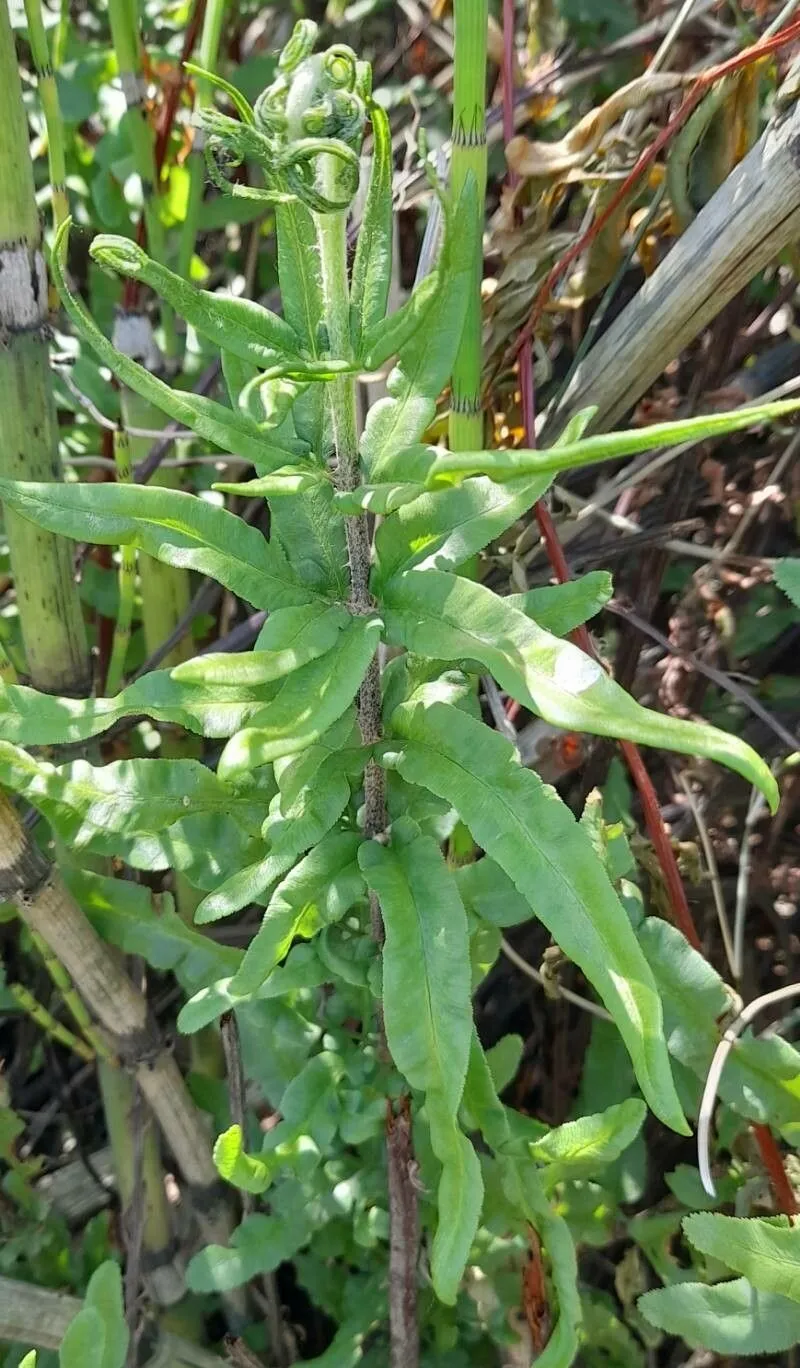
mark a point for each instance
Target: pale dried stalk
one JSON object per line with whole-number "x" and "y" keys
{"x": 48, "y": 908}
{"x": 37, "y": 1317}
{"x": 751, "y": 218}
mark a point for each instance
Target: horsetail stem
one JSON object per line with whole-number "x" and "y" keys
{"x": 207, "y": 57}
{"x": 51, "y": 108}
{"x": 126, "y": 578}
{"x": 469, "y": 159}
{"x": 124, "y": 19}
{"x": 51, "y": 620}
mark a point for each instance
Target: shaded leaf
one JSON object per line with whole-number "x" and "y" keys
{"x": 582, "y": 1148}
{"x": 289, "y": 639}
{"x": 307, "y": 704}
{"x": 730, "y": 1318}
{"x": 766, "y": 1252}
{"x": 318, "y": 891}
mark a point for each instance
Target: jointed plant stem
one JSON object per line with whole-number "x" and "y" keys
{"x": 124, "y": 19}
{"x": 50, "y": 613}
{"x": 469, "y": 159}
{"x": 48, "y": 95}
{"x": 126, "y": 579}
{"x": 46, "y": 1022}
{"x": 207, "y": 57}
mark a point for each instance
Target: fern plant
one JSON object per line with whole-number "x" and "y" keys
{"x": 338, "y": 782}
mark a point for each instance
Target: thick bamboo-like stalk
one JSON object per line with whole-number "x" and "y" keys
{"x": 207, "y": 57}
{"x": 28, "y": 879}
{"x": 126, "y": 578}
{"x": 48, "y": 96}
{"x": 52, "y": 626}
{"x": 751, "y": 218}
{"x": 124, "y": 20}
{"x": 468, "y": 158}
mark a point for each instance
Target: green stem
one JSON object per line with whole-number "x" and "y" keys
{"x": 126, "y": 579}
{"x": 51, "y": 621}
{"x": 61, "y": 35}
{"x": 48, "y": 1023}
{"x": 469, "y": 159}
{"x": 207, "y": 57}
{"x": 140, "y": 1177}
{"x": 72, "y": 1000}
{"x": 48, "y": 95}
{"x": 124, "y": 19}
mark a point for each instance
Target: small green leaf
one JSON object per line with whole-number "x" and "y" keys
{"x": 235, "y": 1166}
{"x": 391, "y": 336}
{"x": 444, "y": 529}
{"x": 425, "y": 363}
{"x": 761, "y": 1080}
{"x": 307, "y": 704}
{"x": 766, "y": 1252}
{"x": 318, "y": 891}
{"x": 229, "y": 430}
{"x": 28, "y": 717}
{"x": 83, "y": 1345}
{"x": 504, "y": 1059}
{"x": 372, "y": 265}
{"x": 104, "y": 1295}
{"x": 452, "y": 618}
{"x": 787, "y": 577}
{"x": 291, "y": 638}
{"x": 127, "y": 915}
{"x": 459, "y": 1199}
{"x": 280, "y": 484}
{"x": 559, "y": 608}
{"x": 301, "y": 820}
{"x": 303, "y": 969}
{"x": 488, "y": 892}
{"x": 259, "y": 1245}
{"x": 428, "y": 1017}
{"x": 583, "y": 1148}
{"x": 445, "y": 467}
{"x": 299, "y": 269}
{"x": 124, "y": 798}
{"x": 731, "y": 1318}
{"x": 426, "y": 974}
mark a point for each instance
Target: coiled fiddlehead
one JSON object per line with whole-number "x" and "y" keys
{"x": 306, "y": 129}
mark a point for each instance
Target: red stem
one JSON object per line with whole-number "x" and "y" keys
{"x": 166, "y": 119}
{"x": 782, "y": 1190}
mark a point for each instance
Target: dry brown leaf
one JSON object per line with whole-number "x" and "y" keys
{"x": 545, "y": 160}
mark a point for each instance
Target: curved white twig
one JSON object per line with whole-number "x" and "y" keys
{"x": 715, "y": 1074}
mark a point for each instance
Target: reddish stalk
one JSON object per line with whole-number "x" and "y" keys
{"x": 173, "y": 89}
{"x": 782, "y": 1190}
